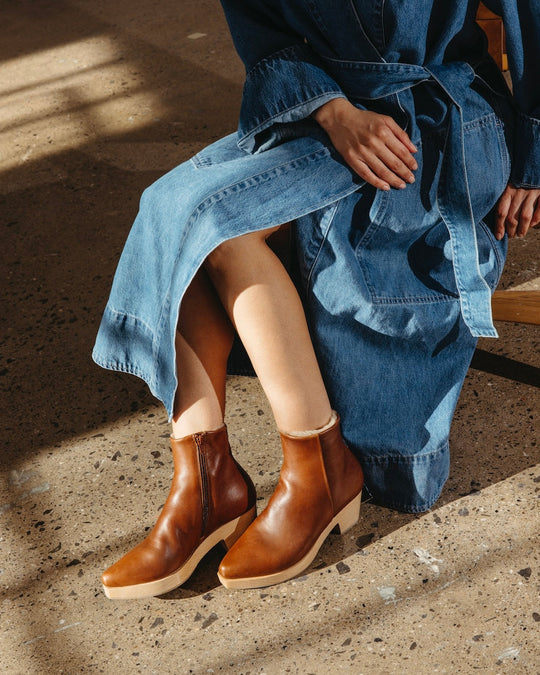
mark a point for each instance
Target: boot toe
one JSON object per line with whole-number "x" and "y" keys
{"x": 110, "y": 579}
{"x": 244, "y": 560}
{"x": 116, "y": 576}
{"x": 235, "y": 566}
{"x": 141, "y": 565}
{"x": 122, "y": 573}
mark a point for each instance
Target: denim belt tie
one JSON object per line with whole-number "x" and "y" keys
{"x": 371, "y": 80}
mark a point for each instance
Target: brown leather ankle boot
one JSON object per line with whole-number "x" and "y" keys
{"x": 319, "y": 487}
{"x": 211, "y": 499}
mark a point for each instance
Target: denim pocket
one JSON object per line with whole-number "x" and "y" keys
{"x": 408, "y": 267}
{"x": 404, "y": 246}
{"x": 488, "y": 162}
{"x": 405, "y": 251}
{"x": 491, "y": 252}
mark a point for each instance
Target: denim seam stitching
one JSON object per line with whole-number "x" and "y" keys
{"x": 361, "y": 26}
{"x": 374, "y": 225}
{"x": 483, "y": 121}
{"x": 272, "y": 118}
{"x": 383, "y": 32}
{"x": 413, "y": 299}
{"x": 409, "y": 459}
{"x": 242, "y": 184}
{"x": 276, "y": 56}
{"x": 335, "y": 207}
{"x": 520, "y": 184}
{"x": 130, "y": 316}
{"x": 201, "y": 162}
{"x": 123, "y": 367}
{"x": 239, "y": 185}
{"x": 505, "y": 156}
{"x": 530, "y": 120}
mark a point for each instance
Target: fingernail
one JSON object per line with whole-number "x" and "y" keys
{"x": 415, "y": 166}
{"x": 402, "y": 186}
{"x": 386, "y": 187}
{"x": 411, "y": 179}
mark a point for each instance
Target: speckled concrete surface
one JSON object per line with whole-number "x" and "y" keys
{"x": 98, "y": 99}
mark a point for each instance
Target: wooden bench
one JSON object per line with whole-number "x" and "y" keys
{"x": 519, "y": 306}
{"x": 492, "y": 26}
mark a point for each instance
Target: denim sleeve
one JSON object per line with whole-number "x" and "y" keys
{"x": 522, "y": 25}
{"x": 285, "y": 81}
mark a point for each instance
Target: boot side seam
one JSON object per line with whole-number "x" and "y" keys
{"x": 325, "y": 475}
{"x": 205, "y": 488}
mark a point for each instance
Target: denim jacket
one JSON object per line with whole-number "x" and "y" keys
{"x": 300, "y": 54}
{"x": 396, "y": 284}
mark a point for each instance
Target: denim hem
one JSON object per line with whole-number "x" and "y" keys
{"x": 404, "y": 508}
{"x": 286, "y": 86}
{"x": 121, "y": 367}
{"x": 407, "y": 483}
{"x": 125, "y": 345}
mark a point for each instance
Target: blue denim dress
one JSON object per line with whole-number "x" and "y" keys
{"x": 396, "y": 285}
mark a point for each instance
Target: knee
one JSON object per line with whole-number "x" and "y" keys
{"x": 180, "y": 186}
{"x": 233, "y": 251}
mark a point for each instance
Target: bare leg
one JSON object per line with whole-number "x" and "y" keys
{"x": 258, "y": 295}
{"x": 203, "y": 342}
{"x": 212, "y": 498}
{"x": 261, "y": 300}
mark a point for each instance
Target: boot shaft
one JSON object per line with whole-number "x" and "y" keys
{"x": 225, "y": 489}
{"x": 211, "y": 500}
{"x": 319, "y": 488}
{"x": 341, "y": 471}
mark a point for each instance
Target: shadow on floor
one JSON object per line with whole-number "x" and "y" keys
{"x": 66, "y": 211}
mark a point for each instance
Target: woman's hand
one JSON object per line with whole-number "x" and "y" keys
{"x": 518, "y": 210}
{"x": 373, "y": 145}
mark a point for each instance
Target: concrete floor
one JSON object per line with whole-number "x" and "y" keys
{"x": 97, "y": 100}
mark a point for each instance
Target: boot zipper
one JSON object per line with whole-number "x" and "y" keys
{"x": 205, "y": 488}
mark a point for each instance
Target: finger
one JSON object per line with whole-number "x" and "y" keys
{"x": 363, "y": 170}
{"x": 395, "y": 162}
{"x": 399, "y": 149}
{"x": 526, "y": 214}
{"x": 512, "y": 217}
{"x": 535, "y": 221}
{"x": 387, "y": 136}
{"x": 402, "y": 135}
{"x": 379, "y": 168}
{"x": 502, "y": 211}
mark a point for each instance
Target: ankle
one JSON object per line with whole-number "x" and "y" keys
{"x": 313, "y": 432}
{"x": 181, "y": 436}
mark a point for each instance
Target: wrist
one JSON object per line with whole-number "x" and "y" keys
{"x": 330, "y": 111}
